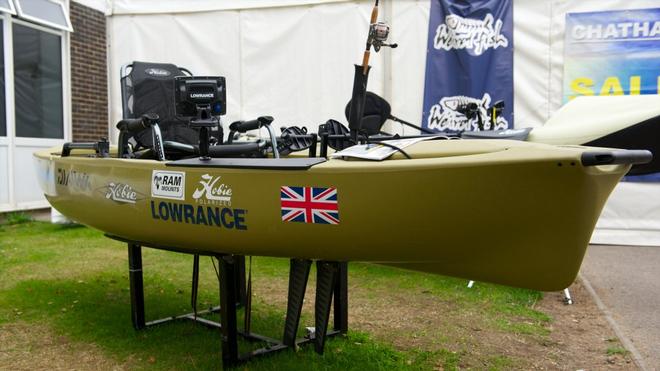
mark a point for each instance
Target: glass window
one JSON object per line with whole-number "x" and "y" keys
{"x": 47, "y": 12}
{"x": 37, "y": 83}
{"x": 7, "y": 6}
{"x": 3, "y": 111}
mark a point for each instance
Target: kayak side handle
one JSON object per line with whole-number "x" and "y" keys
{"x": 620, "y": 157}
{"x": 101, "y": 148}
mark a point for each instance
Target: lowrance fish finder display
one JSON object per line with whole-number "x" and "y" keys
{"x": 199, "y": 97}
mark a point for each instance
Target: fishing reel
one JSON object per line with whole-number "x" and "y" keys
{"x": 378, "y": 34}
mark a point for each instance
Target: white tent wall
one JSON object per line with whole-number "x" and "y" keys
{"x": 292, "y": 59}
{"x": 294, "y": 63}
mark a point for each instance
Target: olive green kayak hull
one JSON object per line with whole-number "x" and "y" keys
{"x": 507, "y": 212}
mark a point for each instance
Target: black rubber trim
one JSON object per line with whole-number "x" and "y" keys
{"x": 643, "y": 135}
{"x": 616, "y": 157}
{"x": 252, "y": 163}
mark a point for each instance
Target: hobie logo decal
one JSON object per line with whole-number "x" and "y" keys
{"x": 157, "y": 72}
{"x": 210, "y": 188}
{"x": 168, "y": 184}
{"x": 121, "y": 193}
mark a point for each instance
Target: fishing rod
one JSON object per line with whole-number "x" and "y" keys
{"x": 377, "y": 37}
{"x": 367, "y": 50}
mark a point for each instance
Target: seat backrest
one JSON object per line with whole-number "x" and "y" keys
{"x": 376, "y": 112}
{"x": 149, "y": 88}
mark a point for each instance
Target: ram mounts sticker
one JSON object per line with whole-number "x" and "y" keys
{"x": 316, "y": 205}
{"x": 211, "y": 190}
{"x": 168, "y": 184}
{"x": 121, "y": 193}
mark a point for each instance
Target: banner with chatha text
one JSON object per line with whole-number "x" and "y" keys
{"x": 612, "y": 53}
{"x": 469, "y": 65}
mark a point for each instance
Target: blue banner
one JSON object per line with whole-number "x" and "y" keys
{"x": 469, "y": 60}
{"x": 613, "y": 53}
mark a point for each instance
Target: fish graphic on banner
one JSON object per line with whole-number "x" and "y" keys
{"x": 315, "y": 205}
{"x": 469, "y": 64}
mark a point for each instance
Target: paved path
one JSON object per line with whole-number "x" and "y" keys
{"x": 626, "y": 279}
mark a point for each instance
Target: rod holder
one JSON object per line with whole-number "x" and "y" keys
{"x": 356, "y": 110}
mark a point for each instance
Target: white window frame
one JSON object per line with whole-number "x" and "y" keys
{"x": 11, "y": 10}
{"x": 68, "y": 26}
{"x": 11, "y": 140}
{"x": 66, "y": 121}
{"x": 9, "y": 110}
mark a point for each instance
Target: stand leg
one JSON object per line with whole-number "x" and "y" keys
{"x": 136, "y": 285}
{"x": 341, "y": 299}
{"x": 228, "y": 299}
{"x": 567, "y": 297}
{"x": 326, "y": 273}
{"x": 240, "y": 280}
{"x": 298, "y": 275}
{"x": 195, "y": 284}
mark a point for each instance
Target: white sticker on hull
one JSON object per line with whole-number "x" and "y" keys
{"x": 46, "y": 176}
{"x": 168, "y": 184}
{"x": 210, "y": 189}
{"x": 121, "y": 193}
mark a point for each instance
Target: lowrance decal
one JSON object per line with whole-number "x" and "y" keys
{"x": 168, "y": 184}
{"x": 222, "y": 217}
{"x": 202, "y": 95}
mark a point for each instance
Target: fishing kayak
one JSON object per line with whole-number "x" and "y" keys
{"x": 500, "y": 211}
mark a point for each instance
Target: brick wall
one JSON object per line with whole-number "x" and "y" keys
{"x": 89, "y": 83}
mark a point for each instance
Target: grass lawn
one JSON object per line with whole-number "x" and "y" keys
{"x": 74, "y": 281}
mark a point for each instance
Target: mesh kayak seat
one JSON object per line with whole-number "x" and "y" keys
{"x": 149, "y": 88}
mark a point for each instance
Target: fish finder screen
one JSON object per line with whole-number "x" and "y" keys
{"x": 199, "y": 97}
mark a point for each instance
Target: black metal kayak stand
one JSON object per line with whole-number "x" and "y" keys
{"x": 331, "y": 293}
{"x": 137, "y": 293}
{"x": 334, "y": 279}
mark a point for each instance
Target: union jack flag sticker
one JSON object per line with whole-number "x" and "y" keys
{"x": 309, "y": 205}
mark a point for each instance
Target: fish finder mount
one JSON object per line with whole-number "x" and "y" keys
{"x": 201, "y": 100}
